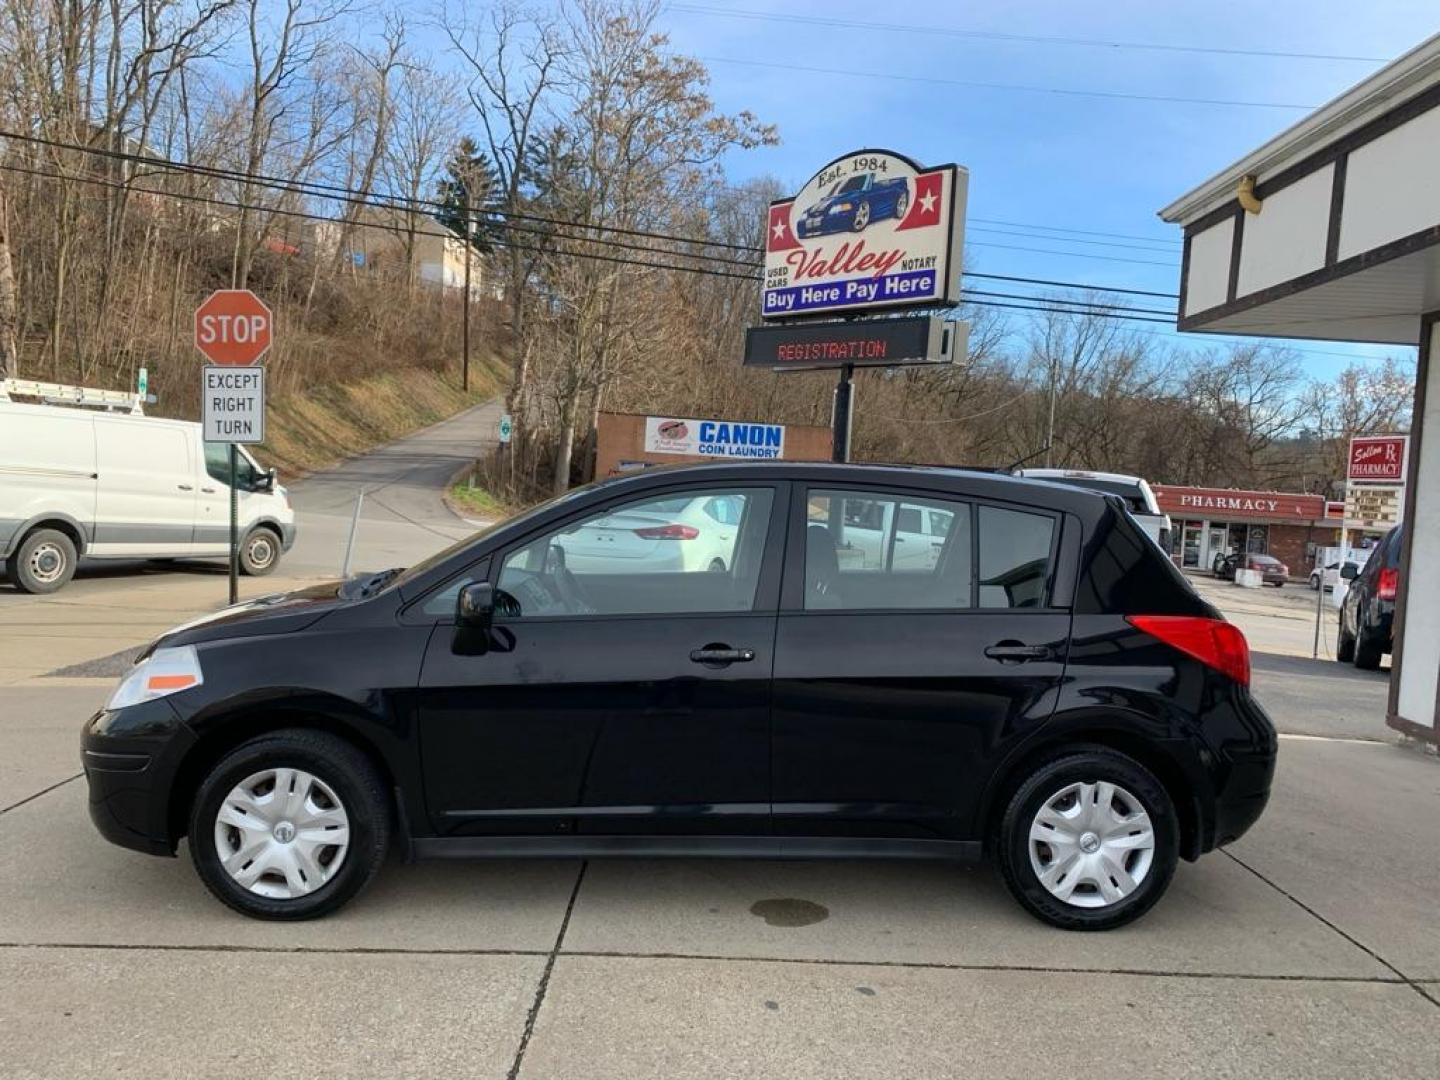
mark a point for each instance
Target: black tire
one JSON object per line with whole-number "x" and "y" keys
{"x": 1314, "y": 583}
{"x": 1368, "y": 650}
{"x": 1344, "y": 644}
{"x": 340, "y": 766}
{"x": 259, "y": 552}
{"x": 717, "y": 565}
{"x": 1085, "y": 764}
{"x": 44, "y": 562}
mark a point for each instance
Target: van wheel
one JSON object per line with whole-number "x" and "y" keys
{"x": 1089, "y": 841}
{"x": 259, "y": 552}
{"x": 44, "y": 561}
{"x": 290, "y": 825}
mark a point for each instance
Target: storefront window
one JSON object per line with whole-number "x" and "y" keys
{"x": 1258, "y": 542}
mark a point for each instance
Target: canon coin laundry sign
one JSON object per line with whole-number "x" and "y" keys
{"x": 714, "y": 438}
{"x": 871, "y": 230}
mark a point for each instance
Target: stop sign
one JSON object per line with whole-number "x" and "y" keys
{"x": 232, "y": 326}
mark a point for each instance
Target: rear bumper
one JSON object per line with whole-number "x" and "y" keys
{"x": 1245, "y": 770}
{"x": 130, "y": 759}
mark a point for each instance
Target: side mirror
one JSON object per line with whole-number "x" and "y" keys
{"x": 1349, "y": 572}
{"x": 475, "y": 607}
{"x": 265, "y": 481}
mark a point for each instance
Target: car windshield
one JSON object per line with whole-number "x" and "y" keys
{"x": 855, "y": 183}
{"x": 1131, "y": 493}
{"x": 425, "y": 565}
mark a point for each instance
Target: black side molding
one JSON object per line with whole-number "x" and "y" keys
{"x": 688, "y": 847}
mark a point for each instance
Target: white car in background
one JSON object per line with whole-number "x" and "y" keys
{"x": 1136, "y": 492}
{"x": 677, "y": 535}
{"x": 1333, "y": 573}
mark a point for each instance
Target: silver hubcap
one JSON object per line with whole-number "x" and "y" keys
{"x": 1091, "y": 845}
{"x": 47, "y": 563}
{"x": 862, "y": 215}
{"x": 261, "y": 551}
{"x": 282, "y": 833}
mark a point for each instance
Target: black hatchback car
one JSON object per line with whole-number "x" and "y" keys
{"x": 756, "y": 660}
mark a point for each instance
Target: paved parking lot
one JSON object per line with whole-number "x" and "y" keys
{"x": 1308, "y": 949}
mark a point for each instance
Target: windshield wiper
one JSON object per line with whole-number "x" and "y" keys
{"x": 358, "y": 588}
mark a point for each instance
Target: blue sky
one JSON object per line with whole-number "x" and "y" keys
{"x": 1036, "y": 158}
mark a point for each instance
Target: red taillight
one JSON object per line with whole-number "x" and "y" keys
{"x": 1389, "y": 584}
{"x": 1214, "y": 642}
{"x": 669, "y": 532}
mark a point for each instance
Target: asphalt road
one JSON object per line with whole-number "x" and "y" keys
{"x": 402, "y": 517}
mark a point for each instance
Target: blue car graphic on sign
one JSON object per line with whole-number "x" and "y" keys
{"x": 853, "y": 204}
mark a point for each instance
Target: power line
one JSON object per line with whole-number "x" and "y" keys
{"x": 1064, "y": 239}
{"x": 1072, "y": 285}
{"x": 1081, "y": 232}
{"x": 974, "y": 85}
{"x": 334, "y": 192}
{"x": 1074, "y": 254}
{"x": 1044, "y": 305}
{"x": 1087, "y": 305}
{"x": 988, "y": 35}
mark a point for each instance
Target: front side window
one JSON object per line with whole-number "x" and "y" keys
{"x": 696, "y": 552}
{"x": 873, "y": 551}
{"x": 217, "y": 464}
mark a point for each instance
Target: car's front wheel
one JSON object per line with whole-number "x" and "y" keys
{"x": 1089, "y": 840}
{"x": 290, "y": 825}
{"x": 259, "y": 551}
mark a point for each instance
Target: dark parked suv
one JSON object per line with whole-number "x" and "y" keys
{"x": 1035, "y": 682}
{"x": 1367, "y": 614}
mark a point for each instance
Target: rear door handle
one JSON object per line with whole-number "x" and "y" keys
{"x": 720, "y": 655}
{"x": 1013, "y": 652}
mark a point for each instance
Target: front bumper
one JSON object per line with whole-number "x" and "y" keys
{"x": 287, "y": 536}
{"x": 131, "y": 757}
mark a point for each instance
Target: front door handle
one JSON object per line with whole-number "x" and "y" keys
{"x": 721, "y": 655}
{"x": 185, "y": 487}
{"x": 1015, "y": 652}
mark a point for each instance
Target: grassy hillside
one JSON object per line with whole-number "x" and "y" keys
{"x": 313, "y": 428}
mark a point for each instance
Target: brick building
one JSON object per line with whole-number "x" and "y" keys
{"x": 1211, "y": 521}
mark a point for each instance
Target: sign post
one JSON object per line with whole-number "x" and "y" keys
{"x": 233, "y": 330}
{"x": 872, "y": 232}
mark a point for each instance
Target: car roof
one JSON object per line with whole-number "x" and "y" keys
{"x": 980, "y": 483}
{"x": 1081, "y": 474}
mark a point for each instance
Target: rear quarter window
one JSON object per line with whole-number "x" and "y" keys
{"x": 1124, "y": 572}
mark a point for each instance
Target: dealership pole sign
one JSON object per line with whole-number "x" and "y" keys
{"x": 872, "y": 231}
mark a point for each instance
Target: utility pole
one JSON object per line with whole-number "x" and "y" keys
{"x": 9, "y": 302}
{"x": 1050, "y": 430}
{"x": 465, "y": 323}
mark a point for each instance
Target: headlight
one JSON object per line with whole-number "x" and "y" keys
{"x": 167, "y": 671}
{"x": 841, "y": 207}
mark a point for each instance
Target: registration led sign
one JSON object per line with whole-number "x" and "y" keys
{"x": 917, "y": 339}
{"x": 871, "y": 231}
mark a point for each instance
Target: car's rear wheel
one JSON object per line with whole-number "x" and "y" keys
{"x": 902, "y": 203}
{"x": 1368, "y": 649}
{"x": 1089, "y": 840}
{"x": 717, "y": 565}
{"x": 290, "y": 825}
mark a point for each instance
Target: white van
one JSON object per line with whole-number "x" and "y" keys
{"x": 1136, "y": 492}
{"x": 75, "y": 480}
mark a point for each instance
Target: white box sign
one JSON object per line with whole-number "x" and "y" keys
{"x": 714, "y": 438}
{"x": 233, "y": 404}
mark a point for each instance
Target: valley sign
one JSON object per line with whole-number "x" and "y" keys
{"x": 871, "y": 231}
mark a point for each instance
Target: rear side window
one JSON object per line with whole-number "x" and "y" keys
{"x": 1015, "y": 557}
{"x": 871, "y": 551}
